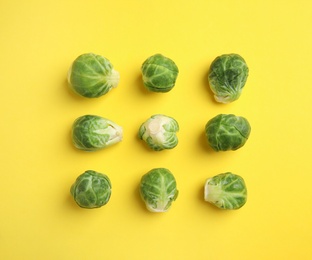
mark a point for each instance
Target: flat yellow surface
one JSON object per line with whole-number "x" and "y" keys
{"x": 39, "y": 41}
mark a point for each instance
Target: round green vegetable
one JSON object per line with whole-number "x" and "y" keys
{"x": 226, "y": 191}
{"x": 159, "y": 73}
{"x": 227, "y": 132}
{"x": 158, "y": 189}
{"x": 159, "y": 132}
{"x": 92, "y": 75}
{"x": 91, "y": 190}
{"x": 92, "y": 133}
{"x": 227, "y": 76}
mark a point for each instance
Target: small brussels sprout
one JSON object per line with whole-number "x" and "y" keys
{"x": 158, "y": 189}
{"x": 227, "y": 77}
{"x": 227, "y": 132}
{"x": 92, "y": 133}
{"x": 91, "y": 190}
{"x": 92, "y": 75}
{"x": 159, "y": 73}
{"x": 159, "y": 132}
{"x": 226, "y": 191}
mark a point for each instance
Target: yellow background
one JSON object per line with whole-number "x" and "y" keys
{"x": 40, "y": 39}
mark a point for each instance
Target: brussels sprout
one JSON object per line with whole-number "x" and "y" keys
{"x": 159, "y": 73}
{"x": 227, "y": 77}
{"x": 91, "y": 189}
{"x": 227, "y": 132}
{"x": 158, "y": 189}
{"x": 91, "y": 133}
{"x": 159, "y": 132}
{"x": 226, "y": 191}
{"x": 92, "y": 75}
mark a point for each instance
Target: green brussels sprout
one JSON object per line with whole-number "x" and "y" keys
{"x": 159, "y": 73}
{"x": 227, "y": 76}
{"x": 92, "y": 75}
{"x": 226, "y": 191}
{"x": 158, "y": 189}
{"x": 159, "y": 132}
{"x": 91, "y": 190}
{"x": 92, "y": 133}
{"x": 227, "y": 132}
